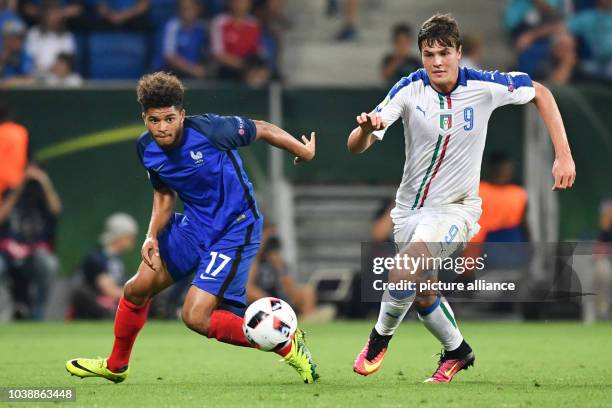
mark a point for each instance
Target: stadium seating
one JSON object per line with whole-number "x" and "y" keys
{"x": 80, "y": 61}
{"x": 157, "y": 58}
{"x": 117, "y": 55}
{"x": 311, "y": 57}
{"x": 330, "y": 220}
{"x": 161, "y": 12}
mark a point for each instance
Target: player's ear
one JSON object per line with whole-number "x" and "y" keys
{"x": 459, "y": 51}
{"x": 144, "y": 118}
{"x": 182, "y": 115}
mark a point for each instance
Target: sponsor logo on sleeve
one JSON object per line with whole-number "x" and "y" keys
{"x": 241, "y": 126}
{"x": 510, "y": 83}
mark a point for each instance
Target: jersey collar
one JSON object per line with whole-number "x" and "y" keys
{"x": 461, "y": 80}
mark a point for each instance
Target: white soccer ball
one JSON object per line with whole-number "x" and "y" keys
{"x": 269, "y": 323}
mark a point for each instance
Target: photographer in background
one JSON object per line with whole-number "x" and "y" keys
{"x": 28, "y": 218}
{"x": 269, "y": 276}
{"x": 102, "y": 276}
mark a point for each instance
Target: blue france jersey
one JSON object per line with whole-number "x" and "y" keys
{"x": 206, "y": 172}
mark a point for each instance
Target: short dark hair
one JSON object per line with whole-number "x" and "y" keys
{"x": 498, "y": 158}
{"x": 254, "y": 61}
{"x": 67, "y": 58}
{"x": 439, "y": 28}
{"x": 160, "y": 90}
{"x": 401, "y": 29}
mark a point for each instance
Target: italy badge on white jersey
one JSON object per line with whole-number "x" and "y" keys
{"x": 445, "y": 133}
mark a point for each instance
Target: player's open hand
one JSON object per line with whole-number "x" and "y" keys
{"x": 370, "y": 122}
{"x": 150, "y": 252}
{"x": 564, "y": 172}
{"x": 309, "y": 151}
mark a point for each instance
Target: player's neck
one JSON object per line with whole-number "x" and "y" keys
{"x": 445, "y": 88}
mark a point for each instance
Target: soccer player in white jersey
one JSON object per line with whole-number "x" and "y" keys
{"x": 445, "y": 111}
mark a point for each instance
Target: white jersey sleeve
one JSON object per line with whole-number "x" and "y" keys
{"x": 510, "y": 88}
{"x": 394, "y": 105}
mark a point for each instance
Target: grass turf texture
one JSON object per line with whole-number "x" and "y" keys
{"x": 517, "y": 365}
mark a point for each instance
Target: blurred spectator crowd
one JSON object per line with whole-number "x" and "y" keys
{"x": 62, "y": 42}
{"x": 553, "y": 40}
{"x": 562, "y": 40}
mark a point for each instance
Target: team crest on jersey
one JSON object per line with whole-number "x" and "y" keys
{"x": 446, "y": 121}
{"x": 197, "y": 157}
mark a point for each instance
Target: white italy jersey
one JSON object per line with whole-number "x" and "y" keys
{"x": 445, "y": 134}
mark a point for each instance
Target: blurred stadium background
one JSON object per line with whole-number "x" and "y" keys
{"x": 68, "y": 71}
{"x": 68, "y": 75}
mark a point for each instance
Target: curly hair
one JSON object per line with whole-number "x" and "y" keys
{"x": 160, "y": 90}
{"x": 439, "y": 28}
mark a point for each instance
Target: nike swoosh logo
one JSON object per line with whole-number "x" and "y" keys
{"x": 207, "y": 277}
{"x": 448, "y": 372}
{"x": 372, "y": 367}
{"x": 77, "y": 365}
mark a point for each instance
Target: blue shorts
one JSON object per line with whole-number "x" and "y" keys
{"x": 223, "y": 269}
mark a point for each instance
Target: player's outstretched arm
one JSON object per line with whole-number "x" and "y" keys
{"x": 278, "y": 137}
{"x": 361, "y": 138}
{"x": 163, "y": 207}
{"x": 564, "y": 169}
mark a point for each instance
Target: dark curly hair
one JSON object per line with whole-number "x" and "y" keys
{"x": 160, "y": 90}
{"x": 439, "y": 28}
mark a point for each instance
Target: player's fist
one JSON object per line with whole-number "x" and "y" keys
{"x": 370, "y": 122}
{"x": 308, "y": 152}
{"x": 564, "y": 172}
{"x": 150, "y": 252}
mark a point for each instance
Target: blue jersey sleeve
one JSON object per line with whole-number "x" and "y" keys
{"x": 155, "y": 180}
{"x": 141, "y": 146}
{"x": 224, "y": 132}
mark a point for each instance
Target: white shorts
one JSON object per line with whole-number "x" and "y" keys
{"x": 443, "y": 229}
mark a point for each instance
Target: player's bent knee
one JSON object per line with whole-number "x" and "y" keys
{"x": 145, "y": 284}
{"x": 424, "y": 300}
{"x": 195, "y": 320}
{"x": 135, "y": 293}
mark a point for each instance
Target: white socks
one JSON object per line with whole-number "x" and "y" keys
{"x": 438, "y": 318}
{"x": 440, "y": 321}
{"x": 392, "y": 311}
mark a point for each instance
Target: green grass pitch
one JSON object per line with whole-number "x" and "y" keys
{"x": 517, "y": 365}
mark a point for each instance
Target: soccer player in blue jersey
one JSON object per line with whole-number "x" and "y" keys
{"x": 445, "y": 111}
{"x": 217, "y": 236}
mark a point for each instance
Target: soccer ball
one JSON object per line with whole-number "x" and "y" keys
{"x": 269, "y": 323}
